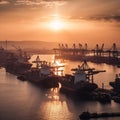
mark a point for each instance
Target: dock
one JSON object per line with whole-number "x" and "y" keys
{"x": 87, "y": 115}
{"x": 97, "y": 54}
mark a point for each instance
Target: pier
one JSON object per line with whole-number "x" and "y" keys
{"x": 87, "y": 115}
{"x": 81, "y": 52}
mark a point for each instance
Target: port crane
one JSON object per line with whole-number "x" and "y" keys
{"x": 18, "y": 49}
{"x": 89, "y": 71}
{"x": 98, "y": 50}
{"x": 113, "y": 50}
{"x": 21, "y": 53}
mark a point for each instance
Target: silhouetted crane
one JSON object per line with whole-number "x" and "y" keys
{"x": 80, "y": 46}
{"x": 66, "y": 45}
{"x": 86, "y": 46}
{"x": 113, "y": 50}
{"x": 62, "y": 45}
{"x": 98, "y": 50}
{"x": 74, "y": 46}
{"x": 19, "y": 50}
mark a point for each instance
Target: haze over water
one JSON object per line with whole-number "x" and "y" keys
{"x": 50, "y": 22}
{"x": 25, "y": 101}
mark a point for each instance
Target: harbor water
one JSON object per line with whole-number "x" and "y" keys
{"x": 24, "y": 101}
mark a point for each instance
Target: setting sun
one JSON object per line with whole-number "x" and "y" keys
{"x": 56, "y": 25}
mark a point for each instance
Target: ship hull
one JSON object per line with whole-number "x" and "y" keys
{"x": 16, "y": 68}
{"x": 47, "y": 82}
{"x": 83, "y": 92}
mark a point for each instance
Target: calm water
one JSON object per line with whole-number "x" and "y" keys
{"x": 24, "y": 101}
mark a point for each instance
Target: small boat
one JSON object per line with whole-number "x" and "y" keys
{"x": 87, "y": 115}
{"x": 116, "y": 83}
{"x": 117, "y": 99}
{"x": 21, "y": 77}
{"x": 102, "y": 97}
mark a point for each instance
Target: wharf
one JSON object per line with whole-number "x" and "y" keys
{"x": 88, "y": 115}
{"x": 97, "y": 55}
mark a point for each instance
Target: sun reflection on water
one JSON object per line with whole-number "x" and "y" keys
{"x": 59, "y": 66}
{"x": 54, "y": 109}
{"x": 54, "y": 94}
{"x": 54, "y": 106}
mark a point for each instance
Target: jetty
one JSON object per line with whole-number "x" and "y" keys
{"x": 87, "y": 115}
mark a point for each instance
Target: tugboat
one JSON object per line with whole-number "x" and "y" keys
{"x": 102, "y": 97}
{"x": 116, "y": 98}
{"x": 116, "y": 89}
{"x": 116, "y": 84}
{"x": 81, "y": 82}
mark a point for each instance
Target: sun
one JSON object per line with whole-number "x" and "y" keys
{"x": 56, "y": 25}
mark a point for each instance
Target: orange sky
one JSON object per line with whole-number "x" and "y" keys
{"x": 80, "y": 21}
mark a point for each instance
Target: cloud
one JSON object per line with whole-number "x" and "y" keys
{"x": 10, "y": 5}
{"x": 109, "y": 18}
{"x": 106, "y": 18}
{"x": 27, "y": 2}
{"x": 106, "y": 10}
{"x": 32, "y": 2}
{"x": 4, "y": 2}
{"x": 102, "y": 10}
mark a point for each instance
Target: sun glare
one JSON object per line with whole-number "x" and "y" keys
{"x": 56, "y": 25}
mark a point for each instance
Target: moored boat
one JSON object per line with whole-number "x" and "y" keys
{"x": 81, "y": 82}
{"x": 43, "y": 74}
{"x": 17, "y": 64}
{"x": 116, "y": 83}
{"x": 102, "y": 97}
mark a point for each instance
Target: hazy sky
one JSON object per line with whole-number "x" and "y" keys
{"x": 91, "y": 21}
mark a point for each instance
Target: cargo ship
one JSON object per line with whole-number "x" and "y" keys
{"x": 116, "y": 83}
{"x": 44, "y": 74}
{"x": 17, "y": 64}
{"x": 81, "y": 82}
